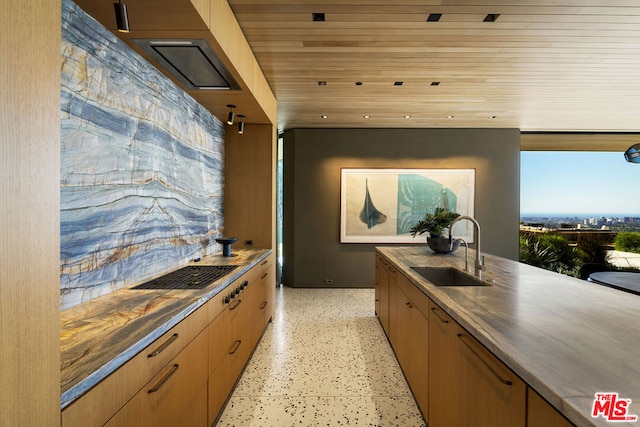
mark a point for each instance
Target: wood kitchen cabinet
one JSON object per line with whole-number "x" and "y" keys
{"x": 185, "y": 376}
{"x": 382, "y": 292}
{"x": 219, "y": 379}
{"x": 409, "y": 336}
{"x": 235, "y": 332}
{"x": 263, "y": 302}
{"x": 542, "y": 414}
{"x": 487, "y": 392}
{"x": 176, "y": 396}
{"x": 443, "y": 408}
{"x": 468, "y": 385}
{"x": 101, "y": 402}
{"x": 455, "y": 379}
{"x": 229, "y": 349}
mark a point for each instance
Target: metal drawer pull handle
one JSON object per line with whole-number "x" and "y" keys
{"x": 484, "y": 362}
{"x": 264, "y": 275}
{"x": 435, "y": 311}
{"x": 235, "y": 346}
{"x": 264, "y": 304}
{"x": 163, "y": 346}
{"x": 264, "y": 262}
{"x": 235, "y": 305}
{"x": 408, "y": 304}
{"x": 165, "y": 379}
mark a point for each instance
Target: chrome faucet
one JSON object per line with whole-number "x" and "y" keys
{"x": 466, "y": 253}
{"x": 479, "y": 264}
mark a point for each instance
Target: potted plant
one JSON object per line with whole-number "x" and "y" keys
{"x": 434, "y": 224}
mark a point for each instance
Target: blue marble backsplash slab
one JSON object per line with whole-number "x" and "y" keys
{"x": 142, "y": 176}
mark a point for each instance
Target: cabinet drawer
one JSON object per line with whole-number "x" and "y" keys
{"x": 219, "y": 339}
{"x": 219, "y": 386}
{"x": 257, "y": 270}
{"x": 264, "y": 292}
{"x": 490, "y": 394}
{"x": 99, "y": 404}
{"x": 420, "y": 300}
{"x": 267, "y": 297}
{"x": 164, "y": 399}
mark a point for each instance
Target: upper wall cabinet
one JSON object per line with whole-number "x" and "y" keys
{"x": 210, "y": 21}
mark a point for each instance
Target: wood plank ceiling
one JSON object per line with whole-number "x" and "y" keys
{"x": 540, "y": 66}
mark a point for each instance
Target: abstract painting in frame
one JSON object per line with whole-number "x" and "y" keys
{"x": 381, "y": 205}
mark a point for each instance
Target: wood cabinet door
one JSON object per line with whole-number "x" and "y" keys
{"x": 399, "y": 325}
{"x": 167, "y": 397}
{"x": 219, "y": 386}
{"x": 267, "y": 296}
{"x": 377, "y": 286}
{"x": 239, "y": 346}
{"x": 418, "y": 372}
{"x": 542, "y": 414}
{"x": 220, "y": 381}
{"x": 262, "y": 303}
{"x": 488, "y": 393}
{"x": 219, "y": 340}
{"x": 443, "y": 409}
{"x": 409, "y": 336}
{"x": 382, "y": 281}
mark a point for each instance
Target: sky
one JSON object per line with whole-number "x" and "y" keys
{"x": 578, "y": 183}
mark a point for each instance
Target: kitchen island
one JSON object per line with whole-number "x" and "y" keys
{"x": 106, "y": 334}
{"x": 566, "y": 338}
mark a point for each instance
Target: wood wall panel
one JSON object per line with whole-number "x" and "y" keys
{"x": 578, "y": 141}
{"x": 29, "y": 213}
{"x": 541, "y": 66}
{"x": 249, "y": 189}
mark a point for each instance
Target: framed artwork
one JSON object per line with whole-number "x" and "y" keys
{"x": 381, "y": 205}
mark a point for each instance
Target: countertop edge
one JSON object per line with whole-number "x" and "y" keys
{"x": 84, "y": 385}
{"x": 458, "y": 313}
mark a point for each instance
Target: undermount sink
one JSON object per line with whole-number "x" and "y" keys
{"x": 448, "y": 276}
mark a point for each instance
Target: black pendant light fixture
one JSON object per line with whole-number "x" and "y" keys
{"x": 241, "y": 124}
{"x": 231, "y": 115}
{"x": 633, "y": 154}
{"x": 122, "y": 18}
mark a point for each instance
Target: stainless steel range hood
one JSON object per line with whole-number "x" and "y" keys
{"x": 191, "y": 61}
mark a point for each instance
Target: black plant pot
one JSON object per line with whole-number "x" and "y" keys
{"x": 442, "y": 245}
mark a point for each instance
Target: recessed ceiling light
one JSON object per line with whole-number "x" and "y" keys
{"x": 366, "y": 116}
{"x": 398, "y": 83}
{"x": 324, "y": 116}
{"x": 322, "y": 83}
{"x": 435, "y": 83}
{"x": 406, "y": 116}
{"x": 317, "y": 17}
{"x": 434, "y": 17}
{"x": 358, "y": 83}
{"x": 491, "y": 17}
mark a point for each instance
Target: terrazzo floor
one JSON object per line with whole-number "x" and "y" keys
{"x": 323, "y": 361}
